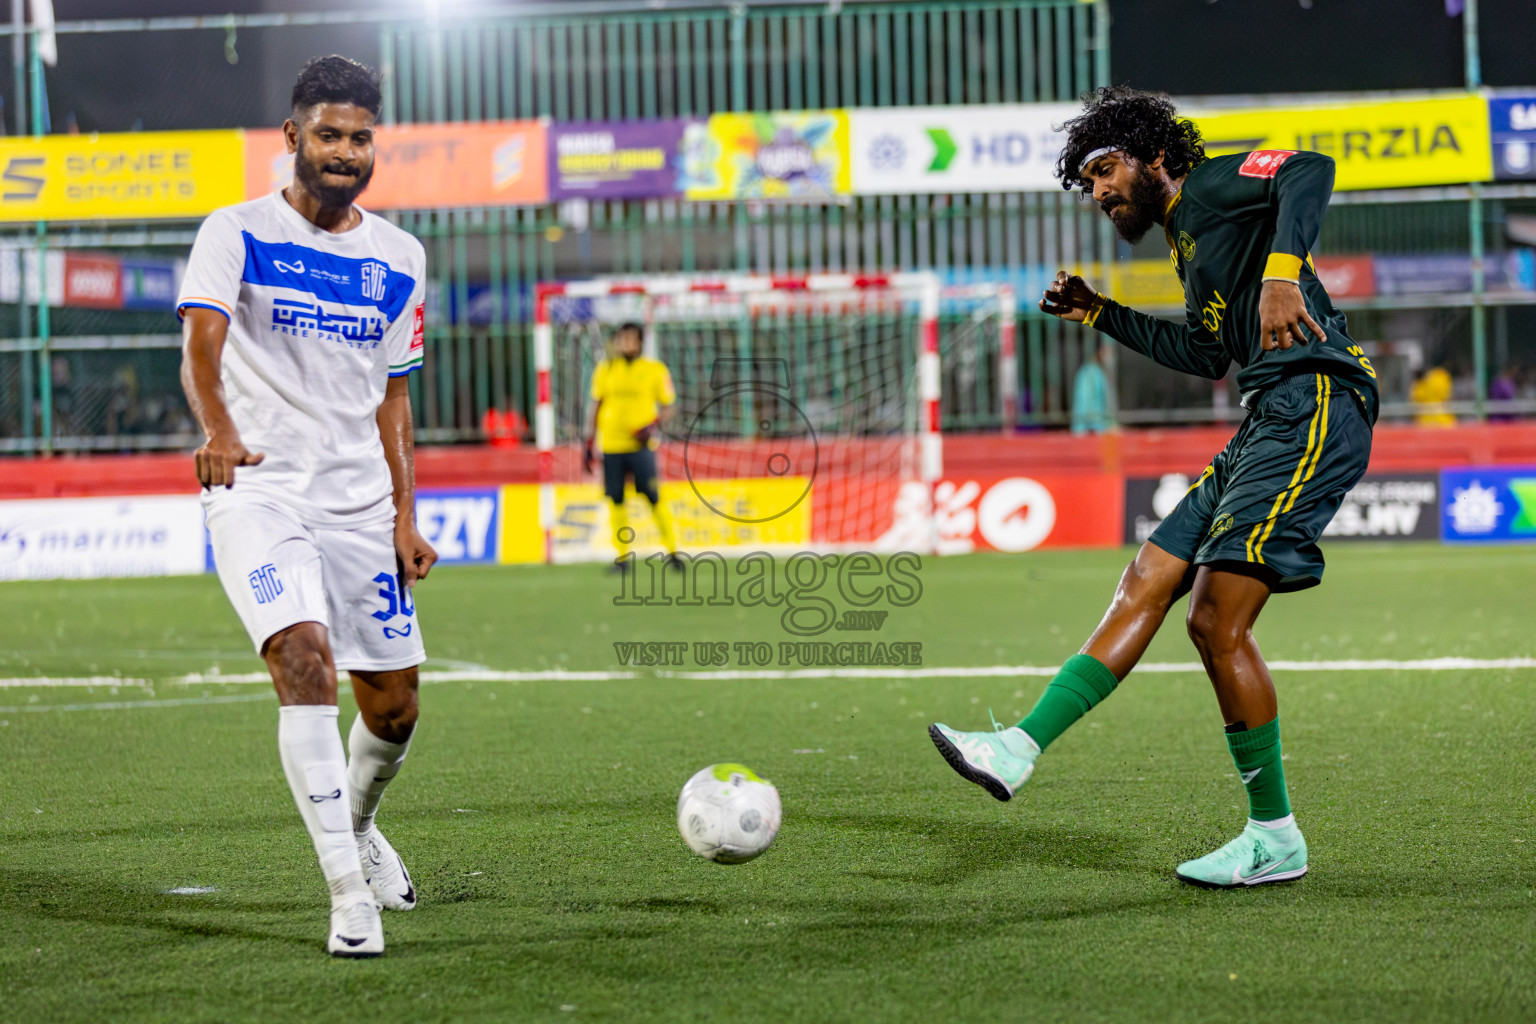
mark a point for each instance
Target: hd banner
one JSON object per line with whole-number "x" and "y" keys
{"x": 129, "y": 176}
{"x": 1003, "y": 148}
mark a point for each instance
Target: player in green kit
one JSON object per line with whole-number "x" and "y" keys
{"x": 1240, "y": 229}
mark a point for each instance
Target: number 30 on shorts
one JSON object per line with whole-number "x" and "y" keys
{"x": 397, "y": 601}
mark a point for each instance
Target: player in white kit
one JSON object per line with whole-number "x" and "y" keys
{"x": 301, "y": 317}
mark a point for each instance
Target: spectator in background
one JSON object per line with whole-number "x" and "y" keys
{"x": 1092, "y": 405}
{"x": 1429, "y": 394}
{"x": 1504, "y": 389}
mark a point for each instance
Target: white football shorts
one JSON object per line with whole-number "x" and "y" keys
{"x": 278, "y": 572}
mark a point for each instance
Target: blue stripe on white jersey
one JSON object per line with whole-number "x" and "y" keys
{"x": 327, "y": 276}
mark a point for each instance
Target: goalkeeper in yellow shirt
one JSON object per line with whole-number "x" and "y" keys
{"x": 632, "y": 399}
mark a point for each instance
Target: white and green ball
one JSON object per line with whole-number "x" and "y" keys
{"x": 728, "y": 814}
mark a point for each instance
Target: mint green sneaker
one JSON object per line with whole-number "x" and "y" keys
{"x": 998, "y": 761}
{"x": 1257, "y": 856}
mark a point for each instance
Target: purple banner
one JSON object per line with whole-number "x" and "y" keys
{"x": 616, "y": 159}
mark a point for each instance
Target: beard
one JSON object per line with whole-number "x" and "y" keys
{"x": 331, "y": 196}
{"x": 1134, "y": 217}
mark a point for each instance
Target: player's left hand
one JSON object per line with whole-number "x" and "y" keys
{"x": 416, "y": 556}
{"x": 1282, "y": 311}
{"x": 645, "y": 433}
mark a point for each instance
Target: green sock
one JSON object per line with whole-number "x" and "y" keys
{"x": 1256, "y": 752}
{"x": 1082, "y": 682}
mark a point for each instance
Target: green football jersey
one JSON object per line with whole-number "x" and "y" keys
{"x": 1237, "y": 221}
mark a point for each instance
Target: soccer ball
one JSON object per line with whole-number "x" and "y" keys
{"x": 727, "y": 814}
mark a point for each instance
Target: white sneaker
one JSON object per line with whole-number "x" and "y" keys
{"x": 356, "y": 930}
{"x": 385, "y": 871}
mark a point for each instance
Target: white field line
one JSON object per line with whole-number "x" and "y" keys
{"x": 936, "y": 672}
{"x": 71, "y": 681}
{"x": 134, "y": 705}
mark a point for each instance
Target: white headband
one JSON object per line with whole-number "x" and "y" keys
{"x": 1091, "y": 157}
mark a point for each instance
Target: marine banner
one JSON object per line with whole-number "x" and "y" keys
{"x": 428, "y": 166}
{"x": 132, "y": 175}
{"x": 795, "y": 155}
{"x": 97, "y": 538}
{"x": 1390, "y": 144}
{"x": 997, "y": 148}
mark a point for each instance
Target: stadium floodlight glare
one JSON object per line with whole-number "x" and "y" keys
{"x": 816, "y": 394}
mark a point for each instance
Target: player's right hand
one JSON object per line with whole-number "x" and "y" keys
{"x": 1069, "y": 297}
{"x": 588, "y": 459}
{"x": 217, "y": 458}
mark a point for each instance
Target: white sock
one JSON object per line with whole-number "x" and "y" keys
{"x": 310, "y": 746}
{"x": 374, "y": 763}
{"x": 1277, "y": 824}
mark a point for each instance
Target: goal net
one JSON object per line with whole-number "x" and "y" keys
{"x": 807, "y": 413}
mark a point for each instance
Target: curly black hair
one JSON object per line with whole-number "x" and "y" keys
{"x": 337, "y": 79}
{"x": 1142, "y": 124}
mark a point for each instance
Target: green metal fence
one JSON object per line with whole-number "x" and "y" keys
{"x": 66, "y": 375}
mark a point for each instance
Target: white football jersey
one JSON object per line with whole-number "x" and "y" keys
{"x": 318, "y": 322}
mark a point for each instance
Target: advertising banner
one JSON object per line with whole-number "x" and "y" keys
{"x": 1440, "y": 273}
{"x": 997, "y": 148}
{"x": 461, "y": 525}
{"x": 133, "y": 175}
{"x": 1388, "y": 507}
{"x": 1013, "y": 513}
{"x": 801, "y": 154}
{"x": 151, "y": 284}
{"x": 20, "y": 267}
{"x": 1512, "y": 123}
{"x": 1346, "y": 277}
{"x": 95, "y": 282}
{"x": 583, "y": 532}
{"x": 92, "y": 538}
{"x": 1435, "y": 141}
{"x": 618, "y": 159}
{"x": 427, "y": 166}
{"x": 1488, "y": 504}
{"x": 1397, "y": 507}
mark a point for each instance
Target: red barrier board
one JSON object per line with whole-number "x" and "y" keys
{"x": 95, "y": 282}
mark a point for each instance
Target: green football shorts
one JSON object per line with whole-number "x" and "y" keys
{"x": 1262, "y": 504}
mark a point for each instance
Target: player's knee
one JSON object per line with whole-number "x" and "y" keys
{"x": 1213, "y": 630}
{"x": 300, "y": 663}
{"x": 394, "y": 724}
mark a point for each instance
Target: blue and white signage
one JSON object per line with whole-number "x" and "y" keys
{"x": 999, "y": 148}
{"x": 1512, "y": 130}
{"x": 463, "y": 525}
{"x": 1488, "y": 504}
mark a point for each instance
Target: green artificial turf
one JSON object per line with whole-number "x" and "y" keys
{"x": 537, "y": 816}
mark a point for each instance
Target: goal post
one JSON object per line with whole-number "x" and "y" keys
{"x": 807, "y": 414}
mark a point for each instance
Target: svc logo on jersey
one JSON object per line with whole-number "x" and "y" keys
{"x": 373, "y": 281}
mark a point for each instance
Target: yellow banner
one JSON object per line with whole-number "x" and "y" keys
{"x": 1374, "y": 145}
{"x": 583, "y": 532}
{"x": 138, "y": 175}
{"x": 797, "y": 154}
